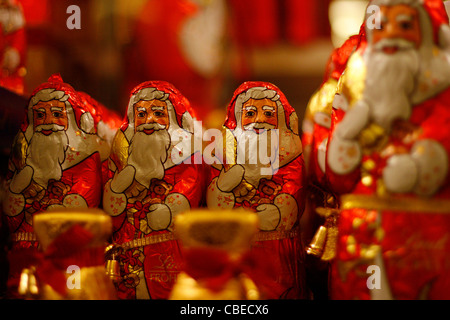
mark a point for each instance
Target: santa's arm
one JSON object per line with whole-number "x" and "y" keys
{"x": 340, "y": 181}
{"x": 288, "y": 205}
{"x": 85, "y": 181}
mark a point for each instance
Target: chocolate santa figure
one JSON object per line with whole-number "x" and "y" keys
{"x": 388, "y": 157}
{"x": 155, "y": 176}
{"x": 12, "y": 46}
{"x": 54, "y": 162}
{"x": 262, "y": 169}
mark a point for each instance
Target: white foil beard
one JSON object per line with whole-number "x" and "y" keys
{"x": 45, "y": 154}
{"x": 249, "y": 154}
{"x": 148, "y": 154}
{"x": 390, "y": 82}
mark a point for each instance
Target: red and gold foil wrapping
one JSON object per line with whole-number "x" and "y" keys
{"x": 282, "y": 245}
{"x": 150, "y": 259}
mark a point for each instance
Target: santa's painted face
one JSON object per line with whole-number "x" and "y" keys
{"x": 50, "y": 116}
{"x": 398, "y": 22}
{"x": 258, "y": 114}
{"x": 151, "y": 112}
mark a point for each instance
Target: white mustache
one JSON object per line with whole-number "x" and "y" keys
{"x": 259, "y": 126}
{"x": 402, "y": 44}
{"x": 151, "y": 126}
{"x": 54, "y": 127}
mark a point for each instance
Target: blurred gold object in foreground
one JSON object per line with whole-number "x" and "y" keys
{"x": 216, "y": 236}
{"x": 70, "y": 264}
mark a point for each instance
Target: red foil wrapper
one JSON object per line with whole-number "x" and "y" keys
{"x": 107, "y": 122}
{"x": 12, "y": 47}
{"x": 154, "y": 176}
{"x": 189, "y": 52}
{"x": 273, "y": 189}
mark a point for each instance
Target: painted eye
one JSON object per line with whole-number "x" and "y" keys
{"x": 159, "y": 113}
{"x": 406, "y": 25}
{"x": 57, "y": 114}
{"x": 40, "y": 115}
{"x": 141, "y": 115}
{"x": 268, "y": 113}
{"x": 250, "y": 114}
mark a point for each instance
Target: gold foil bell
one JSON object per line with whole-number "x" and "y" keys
{"x": 112, "y": 265}
{"x": 318, "y": 242}
{"x": 323, "y": 244}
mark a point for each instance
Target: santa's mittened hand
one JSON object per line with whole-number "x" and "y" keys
{"x": 431, "y": 159}
{"x": 400, "y": 174}
{"x": 228, "y": 180}
{"x": 159, "y": 217}
{"x": 344, "y": 156}
{"x": 123, "y": 179}
{"x": 269, "y": 217}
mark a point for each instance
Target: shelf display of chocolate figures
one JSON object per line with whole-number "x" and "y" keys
{"x": 138, "y": 206}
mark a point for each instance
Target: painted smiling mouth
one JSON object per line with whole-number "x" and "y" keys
{"x": 46, "y": 132}
{"x": 390, "y": 49}
{"x": 149, "y": 131}
{"x": 260, "y": 130}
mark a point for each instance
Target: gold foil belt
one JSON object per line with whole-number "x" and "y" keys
{"x": 142, "y": 242}
{"x": 260, "y": 236}
{"x": 274, "y": 235}
{"x": 23, "y": 236}
{"x": 414, "y": 205}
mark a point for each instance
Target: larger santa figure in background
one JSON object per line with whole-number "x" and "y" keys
{"x": 388, "y": 157}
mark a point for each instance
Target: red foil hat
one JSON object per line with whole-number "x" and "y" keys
{"x": 438, "y": 15}
{"x": 230, "y": 121}
{"x": 56, "y": 82}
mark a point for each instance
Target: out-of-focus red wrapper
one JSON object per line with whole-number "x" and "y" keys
{"x": 393, "y": 225}
{"x": 317, "y": 123}
{"x": 274, "y": 189}
{"x": 12, "y": 46}
{"x": 184, "y": 47}
{"x": 50, "y": 166}
{"x": 317, "y": 120}
{"x": 155, "y": 175}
